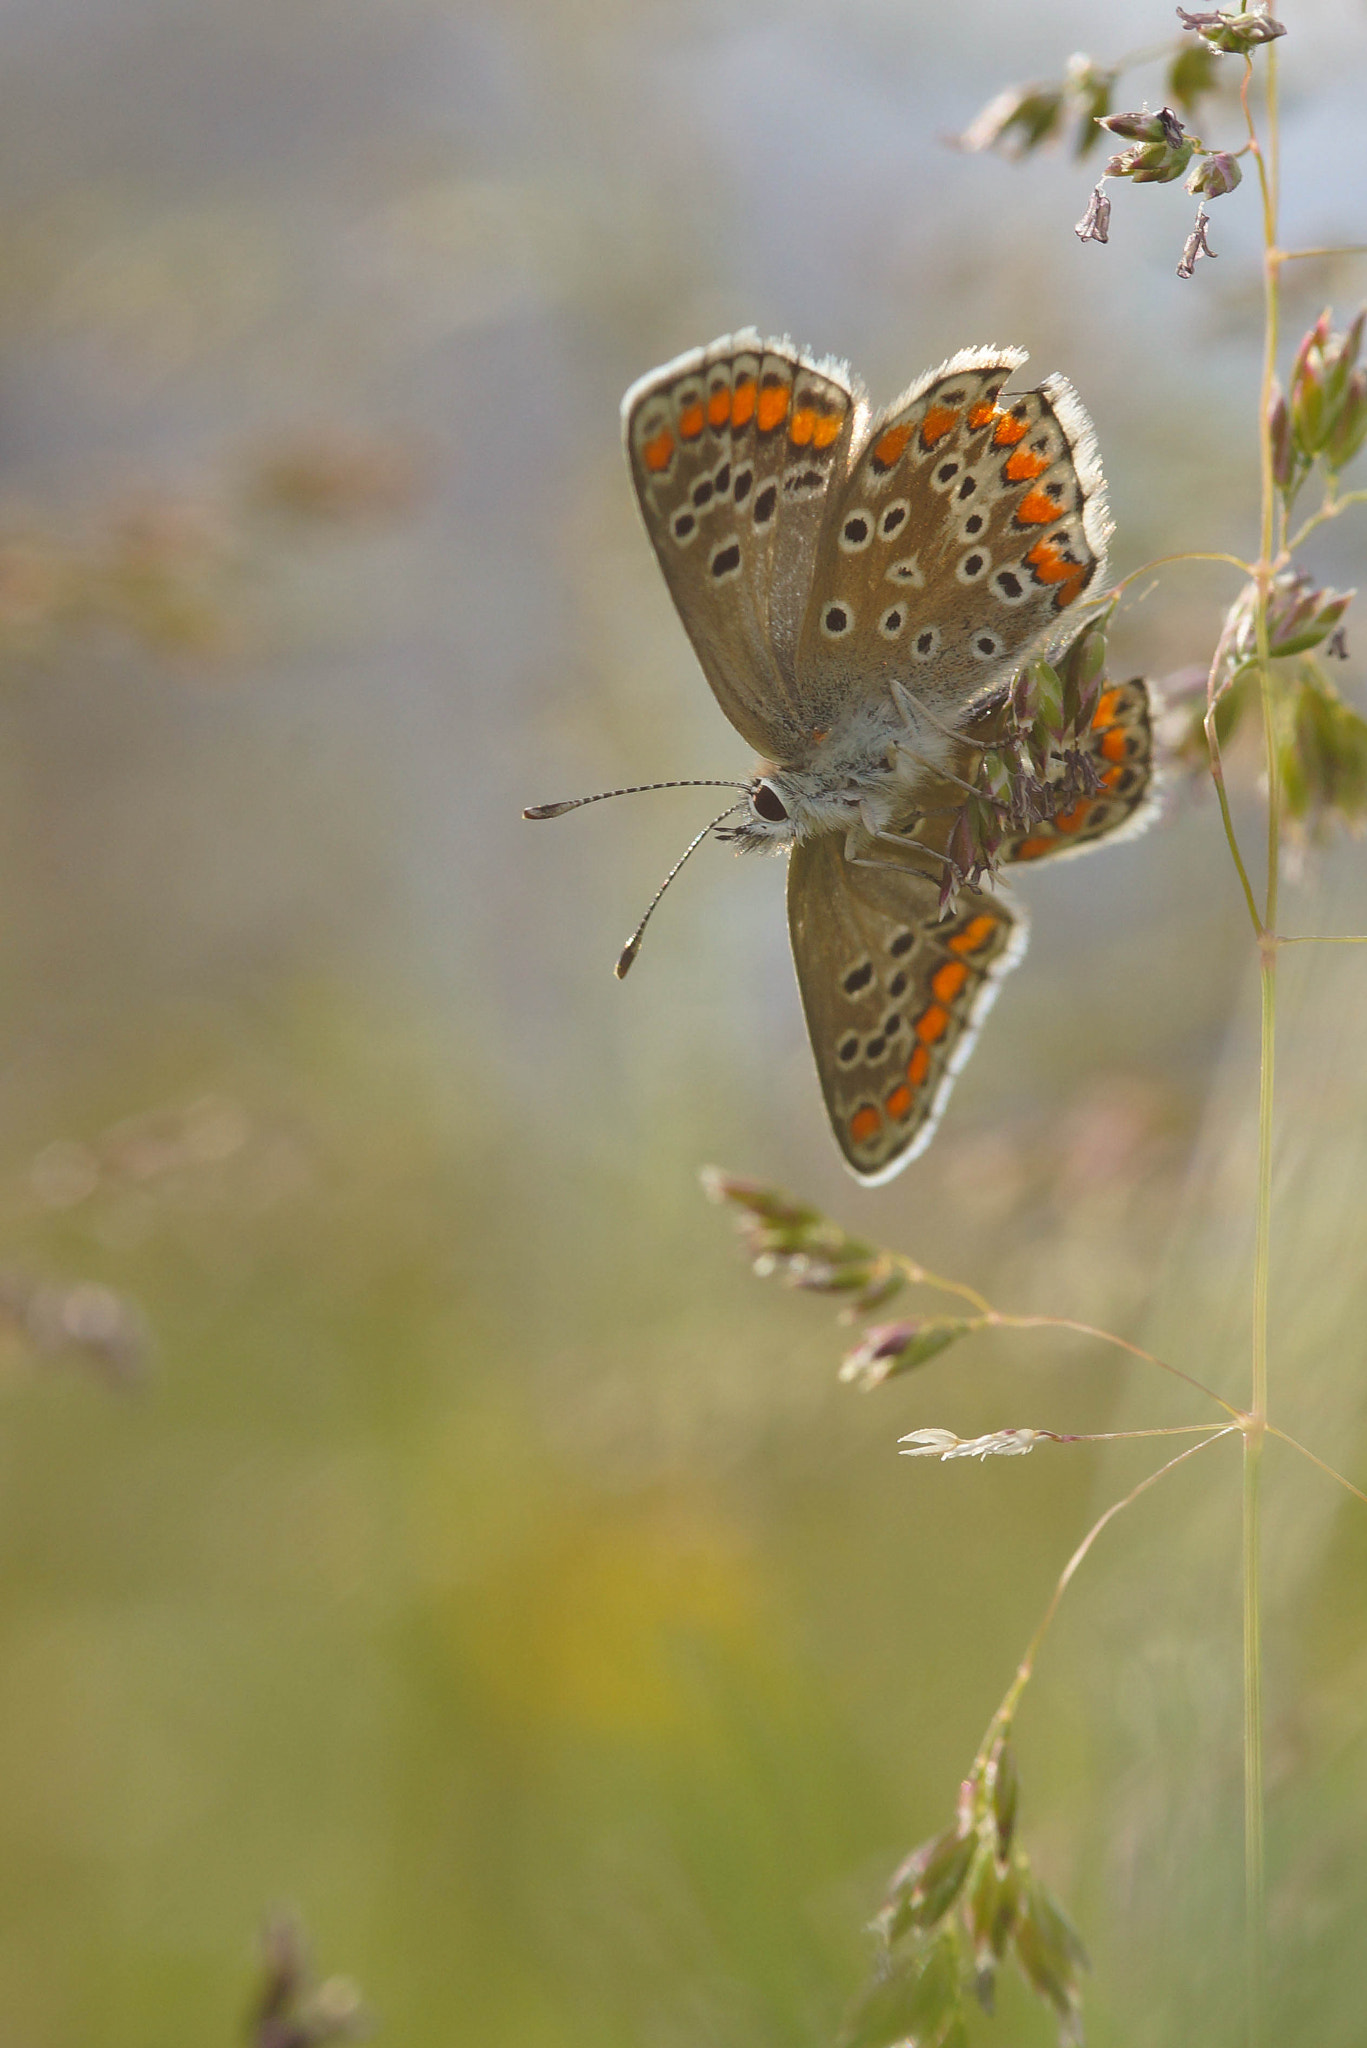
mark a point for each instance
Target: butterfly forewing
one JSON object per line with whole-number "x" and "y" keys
{"x": 968, "y": 522}
{"x": 733, "y": 449}
{"x": 893, "y": 994}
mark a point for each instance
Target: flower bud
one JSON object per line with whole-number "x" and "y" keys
{"x": 1050, "y": 1952}
{"x": 1151, "y": 163}
{"x": 1349, "y": 430}
{"x": 1214, "y": 174}
{"x": 1163, "y": 126}
{"x": 1285, "y": 462}
{"x": 1299, "y": 615}
{"x": 991, "y": 1914}
{"x": 1005, "y": 1793}
{"x": 1327, "y": 393}
{"x": 1046, "y": 688}
{"x": 892, "y": 1348}
{"x": 756, "y": 1198}
{"x": 928, "y": 1883}
{"x": 1233, "y": 34}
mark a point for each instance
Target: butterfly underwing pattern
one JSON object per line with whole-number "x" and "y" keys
{"x": 861, "y": 588}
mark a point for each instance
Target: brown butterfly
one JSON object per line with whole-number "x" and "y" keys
{"x": 861, "y": 588}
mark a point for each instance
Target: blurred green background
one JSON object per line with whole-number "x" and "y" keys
{"x": 479, "y": 1560}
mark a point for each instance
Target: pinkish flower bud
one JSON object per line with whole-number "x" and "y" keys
{"x": 1163, "y": 126}
{"x": 1233, "y": 34}
{"x": 1349, "y": 430}
{"x": 1214, "y": 174}
{"x": 1327, "y": 407}
{"x": 891, "y": 1348}
{"x": 1300, "y": 614}
{"x": 1152, "y": 163}
{"x": 1285, "y": 465}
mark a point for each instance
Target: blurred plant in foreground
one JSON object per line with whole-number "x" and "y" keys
{"x": 170, "y": 569}
{"x": 291, "y": 2011}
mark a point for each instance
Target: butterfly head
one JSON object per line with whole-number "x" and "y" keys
{"x": 769, "y": 814}
{"x": 783, "y": 806}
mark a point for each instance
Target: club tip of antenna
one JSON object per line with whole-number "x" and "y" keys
{"x": 550, "y": 810}
{"x": 627, "y": 956}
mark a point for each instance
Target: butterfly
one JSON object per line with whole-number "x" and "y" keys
{"x": 862, "y": 590}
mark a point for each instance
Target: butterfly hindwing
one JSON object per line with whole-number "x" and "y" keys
{"x": 1119, "y": 745}
{"x": 893, "y": 994}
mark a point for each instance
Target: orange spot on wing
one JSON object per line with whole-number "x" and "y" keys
{"x": 773, "y": 404}
{"x": 899, "y": 1102}
{"x": 937, "y": 424}
{"x": 949, "y": 979}
{"x": 1115, "y": 743}
{"x": 865, "y": 1124}
{"x": 802, "y": 426}
{"x": 1009, "y": 430}
{"x": 981, "y": 414}
{"x": 888, "y": 447}
{"x": 932, "y": 1023}
{"x": 974, "y": 935}
{"x": 1036, "y": 508}
{"x": 691, "y": 421}
{"x": 1031, "y": 849}
{"x": 658, "y": 449}
{"x": 1106, "y": 708}
{"x": 1044, "y": 558}
{"x": 1111, "y": 776}
{"x": 719, "y": 407}
{"x": 827, "y": 428}
{"x": 743, "y": 402}
{"x": 918, "y": 1066}
{"x": 1024, "y": 465}
{"x": 1049, "y": 565}
{"x": 1072, "y": 821}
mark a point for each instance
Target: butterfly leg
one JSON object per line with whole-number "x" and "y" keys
{"x": 857, "y": 839}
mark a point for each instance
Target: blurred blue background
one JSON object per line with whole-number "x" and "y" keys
{"x": 480, "y": 1560}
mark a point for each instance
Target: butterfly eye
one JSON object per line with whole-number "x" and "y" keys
{"x": 768, "y": 803}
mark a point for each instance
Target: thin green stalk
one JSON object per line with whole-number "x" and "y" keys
{"x": 1215, "y": 688}
{"x": 1255, "y": 1883}
{"x": 1343, "y": 249}
{"x": 1025, "y": 1669}
{"x": 1328, "y": 1470}
{"x": 1254, "y": 1432}
{"x": 1330, "y": 509}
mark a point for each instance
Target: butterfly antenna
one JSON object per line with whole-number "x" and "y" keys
{"x": 636, "y": 789}
{"x": 633, "y": 944}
